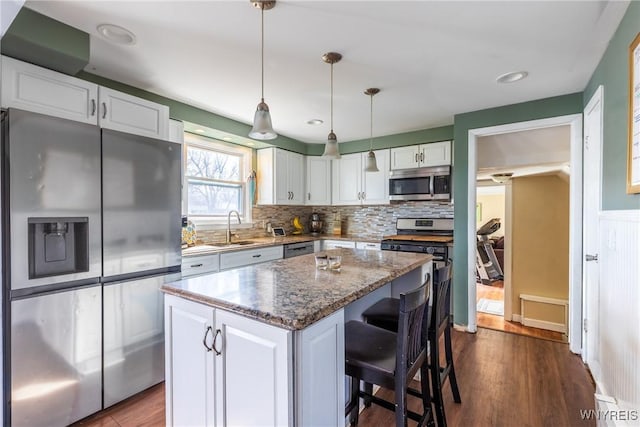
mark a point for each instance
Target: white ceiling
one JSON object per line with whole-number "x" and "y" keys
{"x": 431, "y": 59}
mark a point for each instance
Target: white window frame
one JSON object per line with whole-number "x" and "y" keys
{"x": 209, "y": 223}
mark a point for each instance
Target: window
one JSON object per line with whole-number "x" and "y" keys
{"x": 215, "y": 179}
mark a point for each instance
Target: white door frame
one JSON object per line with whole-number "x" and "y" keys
{"x": 591, "y": 233}
{"x": 575, "y": 217}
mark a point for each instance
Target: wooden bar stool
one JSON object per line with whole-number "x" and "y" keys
{"x": 391, "y": 359}
{"x": 385, "y": 314}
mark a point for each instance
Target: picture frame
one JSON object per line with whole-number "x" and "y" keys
{"x": 633, "y": 149}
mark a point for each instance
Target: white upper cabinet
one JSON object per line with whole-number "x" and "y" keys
{"x": 176, "y": 131}
{"x": 280, "y": 177}
{"x": 122, "y": 112}
{"x": 43, "y": 91}
{"x": 347, "y": 180}
{"x": 435, "y": 154}
{"x": 32, "y": 88}
{"x": 353, "y": 186}
{"x": 417, "y": 156}
{"x": 318, "y": 181}
{"x": 405, "y": 157}
{"x": 375, "y": 185}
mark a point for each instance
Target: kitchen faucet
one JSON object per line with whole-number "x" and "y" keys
{"x": 229, "y": 224}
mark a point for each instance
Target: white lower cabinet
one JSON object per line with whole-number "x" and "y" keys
{"x": 320, "y": 373}
{"x": 223, "y": 369}
{"x": 337, "y": 244}
{"x": 254, "y": 378}
{"x": 189, "y": 365}
{"x": 237, "y": 259}
{"x": 194, "y": 265}
{"x": 368, "y": 245}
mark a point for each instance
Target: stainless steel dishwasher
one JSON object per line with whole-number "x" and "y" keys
{"x": 295, "y": 249}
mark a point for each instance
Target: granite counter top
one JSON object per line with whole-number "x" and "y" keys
{"x": 259, "y": 242}
{"x": 291, "y": 293}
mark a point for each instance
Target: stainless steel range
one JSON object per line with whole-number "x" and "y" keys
{"x": 426, "y": 235}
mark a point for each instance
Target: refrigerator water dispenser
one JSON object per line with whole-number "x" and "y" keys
{"x": 58, "y": 246}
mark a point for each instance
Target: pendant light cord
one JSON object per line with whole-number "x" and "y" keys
{"x": 371, "y": 134}
{"x": 262, "y": 47}
{"x": 332, "y": 97}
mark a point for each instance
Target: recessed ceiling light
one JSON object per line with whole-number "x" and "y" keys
{"x": 511, "y": 77}
{"x": 314, "y": 122}
{"x": 116, "y": 34}
{"x": 199, "y": 130}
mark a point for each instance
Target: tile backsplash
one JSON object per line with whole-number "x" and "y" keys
{"x": 367, "y": 222}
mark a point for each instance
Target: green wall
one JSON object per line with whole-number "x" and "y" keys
{"x": 533, "y": 110}
{"x": 613, "y": 74}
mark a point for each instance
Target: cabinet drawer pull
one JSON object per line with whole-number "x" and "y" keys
{"x": 104, "y": 110}
{"x": 257, "y": 256}
{"x": 93, "y": 107}
{"x": 196, "y": 265}
{"x": 215, "y": 340}
{"x": 204, "y": 339}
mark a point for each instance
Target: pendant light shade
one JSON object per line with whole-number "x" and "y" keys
{"x": 372, "y": 165}
{"x": 262, "y": 127}
{"x": 331, "y": 150}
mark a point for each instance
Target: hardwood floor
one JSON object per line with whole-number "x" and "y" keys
{"x": 504, "y": 379}
{"x": 145, "y": 409}
{"x": 491, "y": 321}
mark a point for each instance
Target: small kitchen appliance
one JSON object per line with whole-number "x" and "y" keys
{"x": 315, "y": 224}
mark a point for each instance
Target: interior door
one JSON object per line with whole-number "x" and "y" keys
{"x": 592, "y": 151}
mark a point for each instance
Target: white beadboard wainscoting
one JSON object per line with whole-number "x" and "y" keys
{"x": 619, "y": 309}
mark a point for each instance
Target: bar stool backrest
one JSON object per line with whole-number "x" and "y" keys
{"x": 441, "y": 299}
{"x": 411, "y": 322}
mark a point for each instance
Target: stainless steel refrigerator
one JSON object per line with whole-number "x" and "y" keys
{"x": 91, "y": 230}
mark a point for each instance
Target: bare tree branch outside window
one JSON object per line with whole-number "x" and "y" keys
{"x": 215, "y": 182}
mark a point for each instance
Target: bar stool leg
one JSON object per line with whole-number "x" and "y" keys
{"x": 452, "y": 372}
{"x": 436, "y": 384}
{"x": 355, "y": 401}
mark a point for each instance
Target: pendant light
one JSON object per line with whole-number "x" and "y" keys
{"x": 262, "y": 127}
{"x": 371, "y": 157}
{"x": 331, "y": 150}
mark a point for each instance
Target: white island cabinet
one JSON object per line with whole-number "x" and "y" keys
{"x": 264, "y": 344}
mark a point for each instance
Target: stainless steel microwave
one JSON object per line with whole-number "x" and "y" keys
{"x": 433, "y": 183}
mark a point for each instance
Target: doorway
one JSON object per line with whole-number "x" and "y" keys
{"x": 575, "y": 222}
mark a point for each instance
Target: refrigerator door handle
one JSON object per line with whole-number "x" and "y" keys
{"x": 204, "y": 339}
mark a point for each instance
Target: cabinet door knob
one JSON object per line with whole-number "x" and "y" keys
{"x": 416, "y": 157}
{"x": 422, "y": 157}
{"x": 364, "y": 196}
{"x": 215, "y": 341}
{"x": 104, "y": 110}
{"x": 308, "y": 196}
{"x": 204, "y": 339}
{"x": 93, "y": 107}
{"x": 257, "y": 255}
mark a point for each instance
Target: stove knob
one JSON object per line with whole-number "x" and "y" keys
{"x": 422, "y": 249}
{"x": 430, "y": 250}
{"x": 395, "y": 247}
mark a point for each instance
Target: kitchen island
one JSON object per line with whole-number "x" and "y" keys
{"x": 264, "y": 344}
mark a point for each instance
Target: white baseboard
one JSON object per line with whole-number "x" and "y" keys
{"x": 540, "y": 324}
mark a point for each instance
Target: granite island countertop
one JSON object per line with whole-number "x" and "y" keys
{"x": 291, "y": 293}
